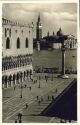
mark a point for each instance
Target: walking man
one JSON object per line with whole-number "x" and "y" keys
{"x": 53, "y": 98}
{"x": 39, "y": 102}
{"x": 30, "y": 88}
{"x": 41, "y": 98}
{"x": 48, "y": 97}
{"x": 20, "y": 117}
{"x": 14, "y": 87}
{"x": 15, "y": 120}
{"x": 26, "y": 105}
{"x": 37, "y": 97}
{"x": 56, "y": 90}
{"x": 25, "y": 86}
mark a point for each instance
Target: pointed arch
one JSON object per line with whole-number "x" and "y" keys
{"x": 26, "y": 42}
{"x": 18, "y": 43}
{"x": 7, "y": 43}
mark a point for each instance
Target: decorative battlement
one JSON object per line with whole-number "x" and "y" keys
{"x": 12, "y": 23}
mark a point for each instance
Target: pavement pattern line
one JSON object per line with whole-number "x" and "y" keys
{"x": 45, "y": 93}
{"x": 24, "y": 103}
{"x": 25, "y": 115}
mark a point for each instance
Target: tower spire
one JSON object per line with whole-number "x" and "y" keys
{"x": 39, "y": 28}
{"x": 39, "y": 17}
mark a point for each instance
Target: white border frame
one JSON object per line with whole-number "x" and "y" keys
{"x": 78, "y": 60}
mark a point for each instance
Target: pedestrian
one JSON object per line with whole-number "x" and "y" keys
{"x": 14, "y": 87}
{"x": 30, "y": 88}
{"x": 20, "y": 121}
{"x": 19, "y": 116}
{"x": 25, "y": 86}
{"x": 34, "y": 81}
{"x": 15, "y": 120}
{"x": 39, "y": 102}
{"x": 61, "y": 121}
{"x": 69, "y": 120}
{"x": 56, "y": 90}
{"x": 41, "y": 98}
{"x": 37, "y": 97}
{"x": 48, "y": 97}
{"x": 39, "y": 85}
{"x": 65, "y": 120}
{"x": 45, "y": 77}
{"x": 52, "y": 97}
{"x": 26, "y": 105}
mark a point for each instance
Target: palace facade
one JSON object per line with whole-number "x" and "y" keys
{"x": 71, "y": 42}
{"x": 17, "y": 49}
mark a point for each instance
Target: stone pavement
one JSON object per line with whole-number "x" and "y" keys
{"x": 15, "y": 105}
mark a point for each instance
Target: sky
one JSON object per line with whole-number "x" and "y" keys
{"x": 53, "y": 15}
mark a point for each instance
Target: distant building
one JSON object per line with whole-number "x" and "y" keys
{"x": 50, "y": 41}
{"x": 17, "y": 49}
{"x": 71, "y": 42}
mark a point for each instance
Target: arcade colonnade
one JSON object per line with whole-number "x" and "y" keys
{"x": 16, "y": 69}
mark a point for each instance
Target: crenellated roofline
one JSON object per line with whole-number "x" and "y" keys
{"x": 6, "y": 21}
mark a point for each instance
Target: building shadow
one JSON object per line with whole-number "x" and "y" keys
{"x": 65, "y": 105}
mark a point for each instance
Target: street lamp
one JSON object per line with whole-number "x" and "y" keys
{"x": 39, "y": 82}
{"x": 21, "y": 91}
{"x": 52, "y": 76}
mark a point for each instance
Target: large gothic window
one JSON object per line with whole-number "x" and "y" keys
{"x": 8, "y": 43}
{"x": 18, "y": 43}
{"x": 26, "y": 43}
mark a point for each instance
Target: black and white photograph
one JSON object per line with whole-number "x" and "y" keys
{"x": 39, "y": 62}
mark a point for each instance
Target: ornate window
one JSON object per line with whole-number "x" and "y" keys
{"x": 18, "y": 43}
{"x": 8, "y": 43}
{"x": 26, "y": 43}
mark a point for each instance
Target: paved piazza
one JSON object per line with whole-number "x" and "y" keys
{"x": 13, "y": 104}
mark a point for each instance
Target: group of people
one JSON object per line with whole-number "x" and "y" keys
{"x": 16, "y": 78}
{"x": 46, "y": 70}
{"x": 10, "y": 63}
{"x": 41, "y": 99}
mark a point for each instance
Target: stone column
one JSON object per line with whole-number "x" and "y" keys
{"x": 2, "y": 85}
{"x": 6, "y": 83}
{"x": 38, "y": 46}
{"x": 63, "y": 61}
{"x": 3, "y": 82}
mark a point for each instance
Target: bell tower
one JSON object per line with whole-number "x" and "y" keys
{"x": 39, "y": 29}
